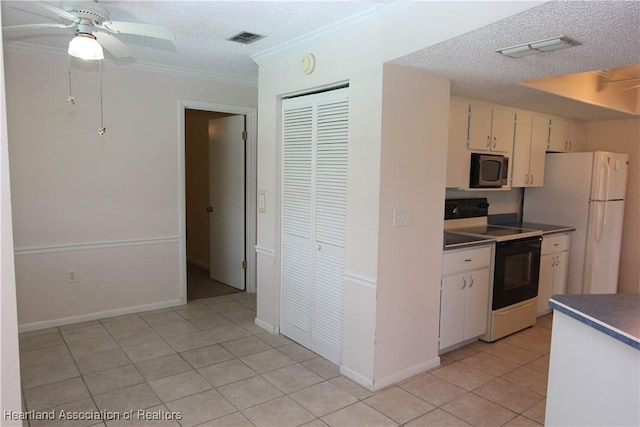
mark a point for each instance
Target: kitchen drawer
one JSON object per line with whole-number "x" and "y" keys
{"x": 465, "y": 259}
{"x": 555, "y": 243}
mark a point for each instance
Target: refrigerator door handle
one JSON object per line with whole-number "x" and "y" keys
{"x": 601, "y": 218}
{"x": 608, "y": 181}
{"x": 600, "y": 183}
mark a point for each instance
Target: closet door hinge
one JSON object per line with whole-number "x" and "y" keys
{"x": 244, "y": 135}
{"x": 244, "y": 264}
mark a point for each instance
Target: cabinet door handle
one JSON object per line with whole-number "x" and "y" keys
{"x": 570, "y": 145}
{"x": 526, "y": 181}
{"x": 532, "y": 178}
{"x": 495, "y": 142}
{"x": 488, "y": 141}
{"x": 471, "y": 284}
{"x": 468, "y": 260}
{"x": 464, "y": 282}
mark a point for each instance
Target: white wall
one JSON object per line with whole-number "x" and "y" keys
{"x": 10, "y": 397}
{"x": 107, "y": 206}
{"x": 414, "y": 141}
{"x": 623, "y": 136}
{"x": 356, "y": 57}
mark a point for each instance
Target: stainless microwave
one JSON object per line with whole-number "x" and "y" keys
{"x": 488, "y": 171}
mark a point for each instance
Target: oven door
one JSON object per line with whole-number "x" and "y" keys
{"x": 517, "y": 268}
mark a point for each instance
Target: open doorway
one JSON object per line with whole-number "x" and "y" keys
{"x": 218, "y": 229}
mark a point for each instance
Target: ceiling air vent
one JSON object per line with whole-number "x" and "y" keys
{"x": 245, "y": 37}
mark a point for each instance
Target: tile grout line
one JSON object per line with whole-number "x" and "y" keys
{"x": 271, "y": 347}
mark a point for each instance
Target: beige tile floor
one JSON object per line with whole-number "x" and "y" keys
{"x": 208, "y": 362}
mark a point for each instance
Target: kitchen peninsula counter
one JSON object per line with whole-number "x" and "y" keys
{"x": 594, "y": 368}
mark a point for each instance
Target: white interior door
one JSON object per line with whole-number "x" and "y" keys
{"x": 227, "y": 200}
{"x": 314, "y": 190}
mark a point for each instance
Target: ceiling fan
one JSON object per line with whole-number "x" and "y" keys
{"x": 93, "y": 29}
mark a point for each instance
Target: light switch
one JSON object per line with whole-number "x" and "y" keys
{"x": 262, "y": 201}
{"x": 401, "y": 217}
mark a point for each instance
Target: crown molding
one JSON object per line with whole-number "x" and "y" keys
{"x": 374, "y": 15}
{"x": 51, "y": 52}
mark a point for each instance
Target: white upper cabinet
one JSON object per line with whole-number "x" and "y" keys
{"x": 530, "y": 144}
{"x": 458, "y": 156}
{"x": 565, "y": 135}
{"x": 485, "y": 120}
{"x": 522, "y": 136}
{"x": 490, "y": 127}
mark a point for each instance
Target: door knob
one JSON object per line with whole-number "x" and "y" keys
{"x": 210, "y": 209}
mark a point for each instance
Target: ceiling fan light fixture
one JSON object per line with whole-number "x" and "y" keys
{"x": 85, "y": 46}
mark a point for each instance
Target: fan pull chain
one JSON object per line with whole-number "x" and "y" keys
{"x": 70, "y": 99}
{"x": 102, "y": 129}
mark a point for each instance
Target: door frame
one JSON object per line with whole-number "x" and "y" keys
{"x": 251, "y": 184}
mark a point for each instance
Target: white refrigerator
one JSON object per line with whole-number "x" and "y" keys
{"x": 585, "y": 191}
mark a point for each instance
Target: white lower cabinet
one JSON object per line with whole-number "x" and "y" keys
{"x": 554, "y": 259}
{"x": 464, "y": 295}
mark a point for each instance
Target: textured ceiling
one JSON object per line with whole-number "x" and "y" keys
{"x": 609, "y": 33}
{"x": 201, "y": 29}
{"x": 609, "y": 36}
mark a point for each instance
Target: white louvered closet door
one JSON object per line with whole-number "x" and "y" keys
{"x": 314, "y": 197}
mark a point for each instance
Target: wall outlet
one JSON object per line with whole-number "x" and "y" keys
{"x": 72, "y": 276}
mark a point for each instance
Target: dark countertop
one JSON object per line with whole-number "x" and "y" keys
{"x": 617, "y": 315}
{"x": 453, "y": 240}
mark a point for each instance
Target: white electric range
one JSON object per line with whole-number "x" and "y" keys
{"x": 516, "y": 265}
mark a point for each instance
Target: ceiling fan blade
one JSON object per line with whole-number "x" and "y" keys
{"x": 116, "y": 47}
{"x": 60, "y": 12}
{"x": 147, "y": 30}
{"x": 31, "y": 29}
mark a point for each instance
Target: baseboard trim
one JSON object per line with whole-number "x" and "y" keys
{"x": 197, "y": 263}
{"x": 356, "y": 377}
{"x": 26, "y": 327}
{"x": 406, "y": 373}
{"x": 273, "y": 330}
